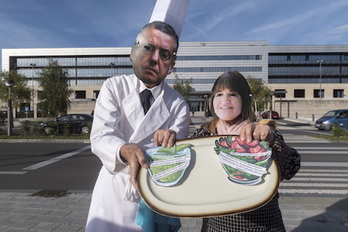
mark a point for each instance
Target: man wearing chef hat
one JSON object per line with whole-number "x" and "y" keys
{"x": 135, "y": 112}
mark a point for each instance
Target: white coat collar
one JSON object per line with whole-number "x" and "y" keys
{"x": 144, "y": 125}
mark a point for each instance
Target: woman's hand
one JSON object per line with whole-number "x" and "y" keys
{"x": 165, "y": 138}
{"x": 255, "y": 130}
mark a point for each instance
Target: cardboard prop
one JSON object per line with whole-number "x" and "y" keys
{"x": 220, "y": 175}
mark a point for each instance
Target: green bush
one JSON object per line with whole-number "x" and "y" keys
{"x": 338, "y": 131}
{"x": 36, "y": 129}
{"x": 66, "y": 129}
{"x": 89, "y": 128}
{"x": 26, "y": 126}
{"x": 2, "y": 124}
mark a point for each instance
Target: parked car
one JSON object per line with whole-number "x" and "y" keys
{"x": 75, "y": 123}
{"x": 3, "y": 114}
{"x": 338, "y": 117}
{"x": 275, "y": 115}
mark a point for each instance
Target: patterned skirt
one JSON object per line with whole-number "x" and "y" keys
{"x": 265, "y": 219}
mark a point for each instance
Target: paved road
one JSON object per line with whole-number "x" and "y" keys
{"x": 324, "y": 166}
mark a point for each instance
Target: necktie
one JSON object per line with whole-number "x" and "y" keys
{"x": 145, "y": 97}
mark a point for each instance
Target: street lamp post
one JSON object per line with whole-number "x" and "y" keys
{"x": 112, "y": 67}
{"x": 320, "y": 62}
{"x": 32, "y": 65}
{"x": 9, "y": 83}
{"x": 278, "y": 93}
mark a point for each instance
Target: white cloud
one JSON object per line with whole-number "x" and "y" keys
{"x": 341, "y": 30}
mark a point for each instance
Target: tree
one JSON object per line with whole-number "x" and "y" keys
{"x": 55, "y": 90}
{"x": 182, "y": 86}
{"x": 20, "y": 92}
{"x": 260, "y": 93}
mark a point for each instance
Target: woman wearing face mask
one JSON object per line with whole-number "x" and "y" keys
{"x": 230, "y": 103}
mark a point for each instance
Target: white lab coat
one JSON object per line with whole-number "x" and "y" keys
{"x": 119, "y": 119}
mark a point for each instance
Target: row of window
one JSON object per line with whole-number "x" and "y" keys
{"x": 89, "y": 72}
{"x": 124, "y": 60}
{"x": 117, "y": 61}
{"x": 317, "y": 93}
{"x": 76, "y": 61}
{"x": 231, "y": 57}
{"x": 102, "y": 72}
{"x": 218, "y": 69}
{"x": 307, "y": 70}
{"x": 298, "y": 93}
{"x": 307, "y": 80}
{"x": 307, "y": 59}
{"x": 100, "y": 81}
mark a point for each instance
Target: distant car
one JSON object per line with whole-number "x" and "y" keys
{"x": 275, "y": 115}
{"x": 3, "y": 114}
{"x": 338, "y": 117}
{"x": 75, "y": 123}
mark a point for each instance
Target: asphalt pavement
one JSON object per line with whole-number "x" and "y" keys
{"x": 22, "y": 211}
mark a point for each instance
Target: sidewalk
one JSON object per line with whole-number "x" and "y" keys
{"x": 20, "y": 212}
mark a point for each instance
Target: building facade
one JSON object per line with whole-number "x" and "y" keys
{"x": 311, "y": 79}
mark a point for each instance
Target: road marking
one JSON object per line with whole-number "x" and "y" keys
{"x": 321, "y": 148}
{"x": 322, "y": 174}
{"x": 322, "y": 152}
{"x": 55, "y": 159}
{"x": 314, "y": 191}
{"x": 324, "y": 164}
{"x": 309, "y": 179}
{"x": 320, "y": 132}
{"x": 12, "y": 172}
{"x": 294, "y": 184}
{"x": 321, "y": 170}
{"x": 307, "y": 141}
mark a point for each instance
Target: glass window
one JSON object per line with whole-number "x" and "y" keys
{"x": 343, "y": 114}
{"x": 64, "y": 118}
{"x": 80, "y": 94}
{"x": 338, "y": 93}
{"x": 96, "y": 94}
{"x": 279, "y": 95}
{"x": 319, "y": 93}
{"x": 299, "y": 93}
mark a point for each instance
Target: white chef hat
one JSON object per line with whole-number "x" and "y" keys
{"x": 172, "y": 12}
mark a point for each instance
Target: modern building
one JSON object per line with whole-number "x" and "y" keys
{"x": 308, "y": 80}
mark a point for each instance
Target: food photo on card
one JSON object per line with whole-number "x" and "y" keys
{"x": 168, "y": 164}
{"x": 244, "y": 162}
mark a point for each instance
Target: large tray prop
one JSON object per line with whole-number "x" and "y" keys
{"x": 206, "y": 187}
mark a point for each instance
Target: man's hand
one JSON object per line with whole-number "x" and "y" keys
{"x": 257, "y": 130}
{"x": 165, "y": 138}
{"x": 134, "y": 156}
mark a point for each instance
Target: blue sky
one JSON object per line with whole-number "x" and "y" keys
{"x": 115, "y": 23}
